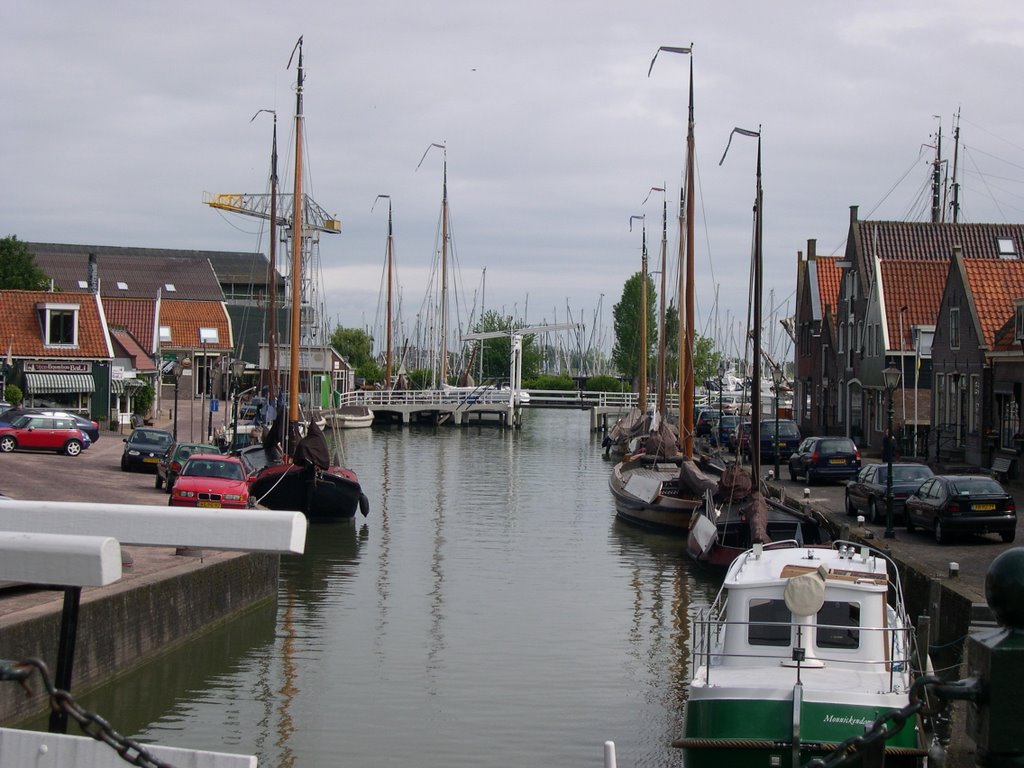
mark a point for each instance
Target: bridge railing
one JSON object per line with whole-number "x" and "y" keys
{"x": 494, "y": 395}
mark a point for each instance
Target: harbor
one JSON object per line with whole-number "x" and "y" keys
{"x": 490, "y": 593}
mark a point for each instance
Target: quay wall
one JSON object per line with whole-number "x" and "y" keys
{"x": 121, "y": 627}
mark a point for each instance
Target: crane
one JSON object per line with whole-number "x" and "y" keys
{"x": 258, "y": 206}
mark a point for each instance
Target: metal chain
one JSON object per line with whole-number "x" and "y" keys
{"x": 91, "y": 724}
{"x": 854, "y": 748}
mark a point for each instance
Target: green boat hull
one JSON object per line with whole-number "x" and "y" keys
{"x": 758, "y": 733}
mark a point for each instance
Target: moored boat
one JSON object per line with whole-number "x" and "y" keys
{"x": 349, "y": 417}
{"x": 802, "y": 648}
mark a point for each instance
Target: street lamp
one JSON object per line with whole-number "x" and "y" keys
{"x": 237, "y": 369}
{"x": 777, "y": 379}
{"x": 721, "y": 386}
{"x": 176, "y": 368}
{"x": 891, "y": 379}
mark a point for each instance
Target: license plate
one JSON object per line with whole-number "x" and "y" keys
{"x": 215, "y": 504}
{"x": 151, "y": 460}
{"x": 983, "y": 507}
{"x": 837, "y": 461}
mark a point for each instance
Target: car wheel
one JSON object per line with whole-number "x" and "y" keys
{"x": 73, "y": 447}
{"x": 850, "y": 509}
{"x": 811, "y": 477}
{"x": 1007, "y": 536}
{"x": 8, "y": 444}
{"x": 792, "y": 473}
{"x": 159, "y": 481}
{"x": 124, "y": 465}
{"x": 873, "y": 515}
{"x": 940, "y": 535}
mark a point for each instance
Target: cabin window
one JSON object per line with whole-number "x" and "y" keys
{"x": 838, "y": 623}
{"x": 769, "y": 622}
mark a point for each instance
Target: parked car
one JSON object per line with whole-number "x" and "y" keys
{"x": 37, "y": 432}
{"x": 705, "y": 422}
{"x": 867, "y": 492}
{"x": 788, "y": 439}
{"x": 739, "y": 440}
{"x": 87, "y": 425}
{"x": 727, "y": 425}
{"x": 143, "y": 449}
{"x": 174, "y": 458}
{"x": 211, "y": 480}
{"x": 824, "y": 458}
{"x": 950, "y": 504}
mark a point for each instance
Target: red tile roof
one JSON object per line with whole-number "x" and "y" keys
{"x": 136, "y": 315}
{"x": 185, "y": 318}
{"x": 141, "y": 359}
{"x": 20, "y": 328}
{"x": 829, "y": 275}
{"x": 995, "y": 285}
{"x": 917, "y": 285}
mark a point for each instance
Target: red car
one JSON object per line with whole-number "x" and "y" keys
{"x": 39, "y": 432}
{"x": 211, "y": 480}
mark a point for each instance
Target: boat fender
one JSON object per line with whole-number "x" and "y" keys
{"x": 364, "y": 504}
{"x": 805, "y": 594}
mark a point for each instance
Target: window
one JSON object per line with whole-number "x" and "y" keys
{"x": 769, "y": 622}
{"x": 954, "y": 327}
{"x": 59, "y": 324}
{"x": 165, "y": 334}
{"x": 878, "y": 340}
{"x": 83, "y": 284}
{"x": 122, "y": 286}
{"x": 837, "y": 625}
{"x": 169, "y": 287}
{"x": 208, "y": 336}
{"x": 842, "y": 333}
{"x": 1009, "y": 421}
{"x": 1006, "y": 248}
{"x": 940, "y": 399}
{"x": 974, "y": 404}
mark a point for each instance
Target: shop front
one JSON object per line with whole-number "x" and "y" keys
{"x": 67, "y": 385}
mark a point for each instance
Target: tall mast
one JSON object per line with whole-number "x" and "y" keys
{"x": 664, "y": 304}
{"x": 272, "y": 299}
{"x": 387, "y": 357}
{"x": 444, "y": 273}
{"x": 642, "y": 385}
{"x": 686, "y": 380}
{"x": 956, "y": 159}
{"x": 296, "y": 271}
{"x": 937, "y": 180}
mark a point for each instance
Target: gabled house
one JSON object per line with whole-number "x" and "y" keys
{"x": 868, "y": 336}
{"x": 978, "y": 364}
{"x": 59, "y": 350}
{"x": 814, "y": 379}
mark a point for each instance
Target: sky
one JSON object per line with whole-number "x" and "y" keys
{"x": 119, "y": 116}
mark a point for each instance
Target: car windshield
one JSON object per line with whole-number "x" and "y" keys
{"x": 786, "y": 429}
{"x": 975, "y": 485}
{"x": 22, "y": 421}
{"x": 152, "y": 436}
{"x": 837, "y": 445}
{"x": 904, "y": 473}
{"x": 213, "y": 468}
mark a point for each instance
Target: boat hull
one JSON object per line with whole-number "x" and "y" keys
{"x": 758, "y": 732}
{"x": 321, "y": 495}
{"x": 659, "y": 508}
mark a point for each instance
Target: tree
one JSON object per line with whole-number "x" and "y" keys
{"x": 18, "y": 270}
{"x": 627, "y": 316}
{"x": 354, "y": 344}
{"x": 497, "y": 352}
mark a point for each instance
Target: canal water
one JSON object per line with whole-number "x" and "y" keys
{"x": 490, "y": 611}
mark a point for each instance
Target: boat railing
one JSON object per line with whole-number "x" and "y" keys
{"x": 710, "y": 628}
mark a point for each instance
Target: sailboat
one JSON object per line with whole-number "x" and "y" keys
{"x": 662, "y": 488}
{"x": 301, "y": 477}
{"x": 744, "y": 515}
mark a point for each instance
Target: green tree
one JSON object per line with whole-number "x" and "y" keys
{"x": 497, "y": 352}
{"x": 13, "y": 394}
{"x": 354, "y": 344}
{"x": 626, "y": 316}
{"x": 18, "y": 270}
{"x": 143, "y": 399}
{"x": 370, "y": 372}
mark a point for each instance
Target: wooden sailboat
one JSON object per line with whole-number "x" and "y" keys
{"x": 302, "y": 477}
{"x": 745, "y": 516}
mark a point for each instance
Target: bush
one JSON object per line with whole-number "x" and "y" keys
{"x": 143, "y": 399}
{"x": 13, "y": 394}
{"x": 606, "y": 384}
{"x": 563, "y": 383}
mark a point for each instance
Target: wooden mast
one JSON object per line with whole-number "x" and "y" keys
{"x": 686, "y": 339}
{"x": 272, "y": 298}
{"x": 444, "y": 272}
{"x": 387, "y": 354}
{"x": 662, "y": 389}
{"x": 643, "y": 325}
{"x": 296, "y": 270}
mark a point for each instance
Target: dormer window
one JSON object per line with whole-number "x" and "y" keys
{"x": 1018, "y": 321}
{"x": 1006, "y": 248}
{"x": 59, "y": 323}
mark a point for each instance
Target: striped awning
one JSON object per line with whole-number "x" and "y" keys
{"x": 118, "y": 386}
{"x": 49, "y": 383}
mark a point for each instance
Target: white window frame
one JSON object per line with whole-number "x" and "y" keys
{"x": 48, "y": 310}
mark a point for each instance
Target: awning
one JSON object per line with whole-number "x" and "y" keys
{"x": 118, "y": 386}
{"x": 49, "y": 383}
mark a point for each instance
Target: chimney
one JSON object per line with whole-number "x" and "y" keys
{"x": 94, "y": 276}
{"x": 853, "y": 214}
{"x": 812, "y": 245}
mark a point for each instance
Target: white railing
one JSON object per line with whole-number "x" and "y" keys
{"x": 490, "y": 394}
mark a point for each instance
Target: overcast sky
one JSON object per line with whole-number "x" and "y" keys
{"x": 118, "y": 116}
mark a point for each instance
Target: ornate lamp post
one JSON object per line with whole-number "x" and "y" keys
{"x": 777, "y": 379}
{"x": 891, "y": 379}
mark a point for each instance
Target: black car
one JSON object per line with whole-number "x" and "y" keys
{"x": 87, "y": 425}
{"x": 785, "y": 439}
{"x": 950, "y": 504}
{"x": 704, "y": 426}
{"x": 824, "y": 458}
{"x": 143, "y": 449}
{"x": 867, "y": 492}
